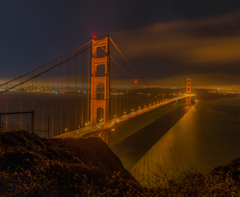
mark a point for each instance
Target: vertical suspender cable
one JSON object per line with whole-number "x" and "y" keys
{"x": 88, "y": 107}
{"x": 61, "y": 125}
{"x": 130, "y": 85}
{"x": 120, "y": 93}
{"x": 82, "y": 86}
{"x": 43, "y": 106}
{"x": 21, "y": 92}
{"x": 32, "y": 91}
{"x": 6, "y": 117}
{"x": 116, "y": 97}
{"x": 52, "y": 91}
{"x": 102, "y": 92}
{"x": 110, "y": 93}
{"x": 68, "y": 108}
{"x": 58, "y": 104}
{"x": 47, "y": 103}
{"x": 75, "y": 93}
{"x": 127, "y": 95}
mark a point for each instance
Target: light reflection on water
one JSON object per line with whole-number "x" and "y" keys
{"x": 206, "y": 136}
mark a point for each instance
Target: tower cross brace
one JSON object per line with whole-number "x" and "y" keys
{"x": 96, "y": 80}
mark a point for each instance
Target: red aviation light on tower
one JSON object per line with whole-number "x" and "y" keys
{"x": 135, "y": 81}
{"x": 94, "y": 36}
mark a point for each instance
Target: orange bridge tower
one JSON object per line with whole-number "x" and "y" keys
{"x": 96, "y": 80}
{"x": 188, "y": 90}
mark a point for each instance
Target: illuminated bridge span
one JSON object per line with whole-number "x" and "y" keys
{"x": 86, "y": 90}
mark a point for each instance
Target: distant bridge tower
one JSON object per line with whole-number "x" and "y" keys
{"x": 96, "y": 80}
{"x": 188, "y": 90}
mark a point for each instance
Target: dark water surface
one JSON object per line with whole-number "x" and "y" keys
{"x": 65, "y": 111}
{"x": 133, "y": 148}
{"x": 204, "y": 136}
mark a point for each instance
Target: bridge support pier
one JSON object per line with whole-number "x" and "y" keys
{"x": 106, "y": 135}
{"x": 96, "y": 80}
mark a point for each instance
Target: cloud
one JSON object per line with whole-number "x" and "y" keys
{"x": 199, "y": 44}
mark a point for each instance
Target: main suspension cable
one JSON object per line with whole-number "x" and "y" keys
{"x": 120, "y": 67}
{"x": 46, "y": 70}
{"x": 45, "y": 64}
{"x": 127, "y": 61}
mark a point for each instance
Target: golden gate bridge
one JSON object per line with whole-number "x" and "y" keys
{"x": 81, "y": 92}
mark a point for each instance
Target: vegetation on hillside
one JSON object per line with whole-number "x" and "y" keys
{"x": 87, "y": 167}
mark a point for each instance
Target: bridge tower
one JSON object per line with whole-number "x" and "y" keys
{"x": 96, "y": 80}
{"x": 188, "y": 90}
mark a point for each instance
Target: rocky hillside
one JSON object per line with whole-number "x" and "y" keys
{"x": 57, "y": 167}
{"x": 87, "y": 167}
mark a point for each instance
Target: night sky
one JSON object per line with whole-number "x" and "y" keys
{"x": 161, "y": 38}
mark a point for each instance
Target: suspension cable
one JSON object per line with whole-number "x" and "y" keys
{"x": 120, "y": 67}
{"x": 45, "y": 64}
{"x": 127, "y": 61}
{"x": 46, "y": 70}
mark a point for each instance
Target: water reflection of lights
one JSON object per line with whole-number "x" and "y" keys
{"x": 169, "y": 151}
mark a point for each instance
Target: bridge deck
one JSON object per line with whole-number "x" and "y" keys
{"x": 90, "y": 129}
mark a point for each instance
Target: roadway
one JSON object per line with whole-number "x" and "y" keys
{"x": 90, "y": 129}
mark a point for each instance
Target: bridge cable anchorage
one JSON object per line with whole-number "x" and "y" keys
{"x": 45, "y": 64}
{"x": 6, "y": 90}
{"x": 128, "y": 61}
